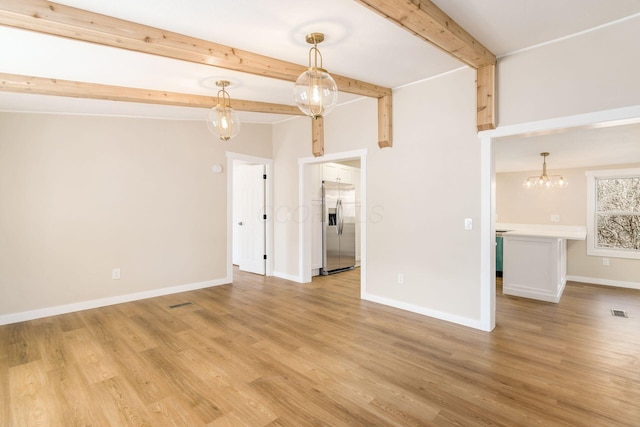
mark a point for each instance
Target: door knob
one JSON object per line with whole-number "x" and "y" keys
{"x": 240, "y": 223}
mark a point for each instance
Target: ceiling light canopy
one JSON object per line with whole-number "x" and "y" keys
{"x": 545, "y": 180}
{"x": 223, "y": 120}
{"x": 315, "y": 92}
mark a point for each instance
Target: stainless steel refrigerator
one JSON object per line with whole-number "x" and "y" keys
{"x": 338, "y": 227}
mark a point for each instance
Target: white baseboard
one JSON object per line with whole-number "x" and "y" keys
{"x": 534, "y": 293}
{"x": 604, "y": 282}
{"x": 464, "y": 321}
{"x": 86, "y": 305}
{"x": 287, "y": 276}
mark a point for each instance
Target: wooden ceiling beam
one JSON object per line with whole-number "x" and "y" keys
{"x": 65, "y": 21}
{"x": 485, "y": 98}
{"x": 317, "y": 137}
{"x": 57, "y": 87}
{"x": 385, "y": 122}
{"x": 77, "y": 24}
{"x": 428, "y": 22}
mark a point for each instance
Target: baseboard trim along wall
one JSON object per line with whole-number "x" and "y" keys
{"x": 286, "y": 276}
{"x": 86, "y": 305}
{"x": 464, "y": 321}
{"x": 604, "y": 282}
{"x": 532, "y": 293}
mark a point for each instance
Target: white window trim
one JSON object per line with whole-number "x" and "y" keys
{"x": 592, "y": 250}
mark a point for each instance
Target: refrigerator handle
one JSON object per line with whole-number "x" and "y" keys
{"x": 340, "y": 219}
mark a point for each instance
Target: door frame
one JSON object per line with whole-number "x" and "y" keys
{"x": 268, "y": 163}
{"x": 304, "y": 212}
{"x": 488, "y": 189}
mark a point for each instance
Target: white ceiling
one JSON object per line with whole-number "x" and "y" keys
{"x": 359, "y": 44}
{"x": 570, "y": 148}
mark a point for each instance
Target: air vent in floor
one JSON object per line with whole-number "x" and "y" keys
{"x": 182, "y": 304}
{"x": 619, "y": 313}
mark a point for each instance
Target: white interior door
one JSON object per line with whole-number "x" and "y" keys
{"x": 237, "y": 213}
{"x": 248, "y": 214}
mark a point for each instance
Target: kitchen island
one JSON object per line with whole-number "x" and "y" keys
{"x": 535, "y": 259}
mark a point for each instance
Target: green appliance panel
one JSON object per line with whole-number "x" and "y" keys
{"x": 499, "y": 254}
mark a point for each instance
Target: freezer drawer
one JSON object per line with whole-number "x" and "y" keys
{"x": 348, "y": 246}
{"x": 331, "y": 259}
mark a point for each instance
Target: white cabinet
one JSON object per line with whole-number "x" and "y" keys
{"x": 316, "y": 236}
{"x": 330, "y": 172}
{"x": 345, "y": 174}
{"x": 534, "y": 267}
{"x": 316, "y": 181}
{"x": 338, "y": 172}
{"x": 317, "y": 175}
{"x": 535, "y": 259}
{"x": 355, "y": 175}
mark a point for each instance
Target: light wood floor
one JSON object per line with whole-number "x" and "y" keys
{"x": 267, "y": 352}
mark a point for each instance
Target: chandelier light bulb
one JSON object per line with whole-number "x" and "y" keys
{"x": 544, "y": 180}
{"x": 315, "y": 92}
{"x": 223, "y": 120}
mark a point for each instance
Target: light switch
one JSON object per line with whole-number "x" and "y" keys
{"x": 468, "y": 224}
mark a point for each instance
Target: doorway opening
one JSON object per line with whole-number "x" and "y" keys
{"x": 249, "y": 225}
{"x": 310, "y": 212}
{"x": 488, "y": 139}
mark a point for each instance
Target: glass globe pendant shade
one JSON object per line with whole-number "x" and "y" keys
{"x": 315, "y": 92}
{"x": 224, "y": 122}
{"x": 561, "y": 182}
{"x": 543, "y": 182}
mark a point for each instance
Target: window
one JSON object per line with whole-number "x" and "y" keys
{"x": 613, "y": 213}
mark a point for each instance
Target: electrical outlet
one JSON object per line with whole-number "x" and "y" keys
{"x": 605, "y": 262}
{"x": 400, "y": 279}
{"x": 555, "y": 218}
{"x": 468, "y": 224}
{"x": 115, "y": 274}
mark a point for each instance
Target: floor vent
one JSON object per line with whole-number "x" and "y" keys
{"x": 619, "y": 313}
{"x": 182, "y": 304}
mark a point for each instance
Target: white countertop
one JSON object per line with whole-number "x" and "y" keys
{"x": 569, "y": 232}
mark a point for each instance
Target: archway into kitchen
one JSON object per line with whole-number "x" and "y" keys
{"x": 308, "y": 201}
{"x": 489, "y": 144}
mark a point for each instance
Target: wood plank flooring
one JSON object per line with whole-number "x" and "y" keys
{"x": 268, "y": 352}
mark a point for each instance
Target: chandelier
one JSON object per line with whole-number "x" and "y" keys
{"x": 545, "y": 180}
{"x": 315, "y": 92}
{"x": 223, "y": 120}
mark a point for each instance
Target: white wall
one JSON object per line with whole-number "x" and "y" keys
{"x": 291, "y": 141}
{"x": 82, "y": 195}
{"x": 418, "y": 194}
{"x": 422, "y": 189}
{"x": 590, "y": 72}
